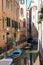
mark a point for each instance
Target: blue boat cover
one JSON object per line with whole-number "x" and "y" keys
{"x": 15, "y": 52}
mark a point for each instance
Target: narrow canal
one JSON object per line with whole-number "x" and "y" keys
{"x": 23, "y": 59}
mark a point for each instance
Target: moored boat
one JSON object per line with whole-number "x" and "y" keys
{"x": 14, "y": 54}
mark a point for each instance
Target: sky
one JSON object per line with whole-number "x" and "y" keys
{"x": 28, "y": 3}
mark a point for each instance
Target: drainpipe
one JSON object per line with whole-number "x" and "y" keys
{"x": 30, "y": 35}
{"x": 30, "y": 23}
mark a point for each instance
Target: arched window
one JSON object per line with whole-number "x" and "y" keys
{"x": 24, "y": 23}
{"x": 22, "y": 14}
{"x": 7, "y": 3}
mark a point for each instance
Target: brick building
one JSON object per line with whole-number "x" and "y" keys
{"x": 9, "y": 19}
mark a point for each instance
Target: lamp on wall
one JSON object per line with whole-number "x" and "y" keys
{"x": 18, "y": 29}
{"x": 7, "y": 40}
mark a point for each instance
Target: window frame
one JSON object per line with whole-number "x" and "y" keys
{"x": 7, "y": 4}
{"x": 2, "y": 5}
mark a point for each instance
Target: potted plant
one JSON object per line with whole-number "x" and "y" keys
{"x": 41, "y": 16}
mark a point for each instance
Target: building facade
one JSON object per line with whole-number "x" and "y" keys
{"x": 37, "y": 29}
{"x": 27, "y": 18}
{"x": 40, "y": 31}
{"x": 9, "y": 20}
{"x": 23, "y": 23}
{"x": 34, "y": 19}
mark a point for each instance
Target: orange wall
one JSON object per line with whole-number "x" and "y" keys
{"x": 11, "y": 15}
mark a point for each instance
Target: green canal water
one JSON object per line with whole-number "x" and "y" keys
{"x": 25, "y": 58}
{"x": 21, "y": 59}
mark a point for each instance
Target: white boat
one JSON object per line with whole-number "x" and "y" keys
{"x": 6, "y": 61}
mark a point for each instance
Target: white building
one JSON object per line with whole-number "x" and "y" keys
{"x": 22, "y": 9}
{"x": 40, "y": 30}
{"x": 34, "y": 18}
{"x": 37, "y": 29}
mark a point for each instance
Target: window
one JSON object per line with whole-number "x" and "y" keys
{"x": 19, "y": 25}
{"x": 21, "y": 11}
{"x": 3, "y": 23}
{"x": 17, "y": 14}
{"x": 13, "y": 23}
{"x": 7, "y": 33}
{"x": 14, "y": 36}
{"x": 24, "y": 24}
{"x": 8, "y": 22}
{"x": 16, "y": 24}
{"x": 7, "y": 3}
{"x": 12, "y": 7}
{"x": 33, "y": 17}
{"x": 2, "y": 5}
{"x": 33, "y": 24}
{"x": 34, "y": 8}
{"x": 21, "y": 1}
{"x": 3, "y": 37}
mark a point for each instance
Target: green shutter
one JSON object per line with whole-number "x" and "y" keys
{"x": 8, "y": 22}
{"x": 3, "y": 23}
{"x": 13, "y": 23}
